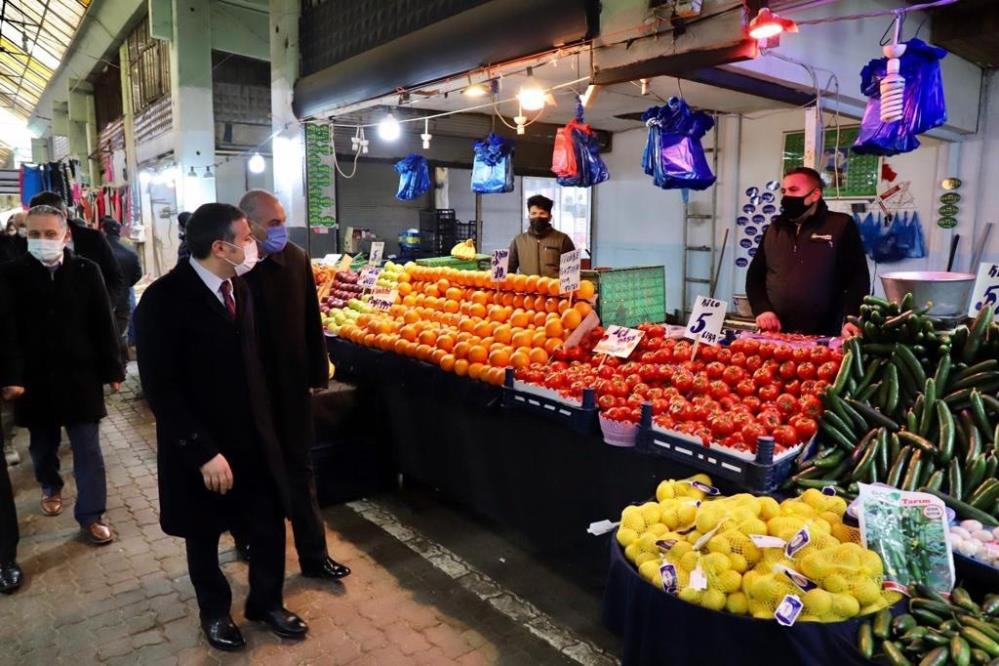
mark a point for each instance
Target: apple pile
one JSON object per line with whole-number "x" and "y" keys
{"x": 345, "y": 288}
{"x": 727, "y": 395}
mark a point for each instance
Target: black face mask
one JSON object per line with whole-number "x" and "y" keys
{"x": 794, "y": 207}
{"x": 540, "y": 223}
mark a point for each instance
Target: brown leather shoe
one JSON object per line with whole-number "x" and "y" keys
{"x": 52, "y": 504}
{"x": 99, "y": 533}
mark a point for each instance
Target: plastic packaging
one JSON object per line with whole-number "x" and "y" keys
{"x": 492, "y": 168}
{"x": 576, "y": 159}
{"x": 673, "y": 154}
{"x": 414, "y": 177}
{"x": 901, "y": 239}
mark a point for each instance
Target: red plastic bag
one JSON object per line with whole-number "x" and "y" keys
{"x": 564, "y": 156}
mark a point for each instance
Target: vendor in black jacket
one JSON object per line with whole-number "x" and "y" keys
{"x": 810, "y": 271}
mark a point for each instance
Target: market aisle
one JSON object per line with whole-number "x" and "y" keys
{"x": 132, "y": 602}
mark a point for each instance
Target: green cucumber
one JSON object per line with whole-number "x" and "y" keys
{"x": 921, "y": 443}
{"x": 954, "y": 484}
{"x": 929, "y": 399}
{"x": 907, "y": 356}
{"x": 913, "y": 471}
{"x": 865, "y": 640}
{"x": 872, "y": 416}
{"x": 894, "y": 654}
{"x": 987, "y": 378}
{"x": 940, "y": 606}
{"x": 960, "y": 651}
{"x": 972, "y": 435}
{"x": 978, "y": 412}
{"x": 834, "y": 436}
{"x": 936, "y": 480}
{"x": 963, "y": 510}
{"x": 943, "y": 372}
{"x": 892, "y": 391}
{"x": 980, "y": 640}
{"x": 974, "y": 474}
{"x": 960, "y": 596}
{"x": 882, "y": 623}
{"x": 945, "y": 442}
{"x": 984, "y": 366}
{"x": 926, "y": 617}
{"x": 938, "y": 656}
{"x": 895, "y": 473}
{"x": 844, "y": 373}
{"x": 985, "y": 495}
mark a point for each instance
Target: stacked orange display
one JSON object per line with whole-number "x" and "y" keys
{"x": 469, "y": 325}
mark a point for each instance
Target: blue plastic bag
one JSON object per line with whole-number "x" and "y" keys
{"x": 923, "y": 108}
{"x": 492, "y": 168}
{"x": 414, "y": 177}
{"x": 901, "y": 239}
{"x": 673, "y": 153}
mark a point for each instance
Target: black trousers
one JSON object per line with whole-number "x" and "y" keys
{"x": 306, "y": 522}
{"x": 9, "y": 534}
{"x": 264, "y": 523}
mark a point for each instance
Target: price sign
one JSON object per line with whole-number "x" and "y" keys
{"x": 346, "y": 261}
{"x": 331, "y": 260}
{"x": 377, "y": 250}
{"x": 619, "y": 341}
{"x": 568, "y": 271}
{"x": 499, "y": 265}
{"x": 705, "y": 323}
{"x": 369, "y": 277}
{"x": 986, "y": 292}
{"x": 383, "y": 298}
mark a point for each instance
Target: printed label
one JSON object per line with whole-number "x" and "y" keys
{"x": 764, "y": 541}
{"x": 797, "y": 542}
{"x": 788, "y": 610}
{"x": 670, "y": 583}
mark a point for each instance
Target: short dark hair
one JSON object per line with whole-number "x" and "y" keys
{"x": 541, "y": 201}
{"x": 48, "y": 199}
{"x": 182, "y": 219}
{"x": 211, "y": 222}
{"x": 111, "y": 226}
{"x": 813, "y": 176}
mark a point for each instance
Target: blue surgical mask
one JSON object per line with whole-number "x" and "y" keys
{"x": 277, "y": 238}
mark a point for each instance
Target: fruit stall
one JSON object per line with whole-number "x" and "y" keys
{"x": 498, "y": 395}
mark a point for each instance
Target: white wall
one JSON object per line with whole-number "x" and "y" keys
{"x": 502, "y": 215}
{"x": 233, "y": 179}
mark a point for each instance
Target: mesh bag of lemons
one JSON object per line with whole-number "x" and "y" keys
{"x": 743, "y": 554}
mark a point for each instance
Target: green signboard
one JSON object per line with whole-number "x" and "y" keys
{"x": 856, "y": 175}
{"x": 320, "y": 180}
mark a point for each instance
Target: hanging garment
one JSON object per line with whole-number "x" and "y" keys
{"x": 32, "y": 182}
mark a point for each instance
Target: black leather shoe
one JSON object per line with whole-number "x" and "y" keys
{"x": 282, "y": 622}
{"x": 328, "y": 568}
{"x": 242, "y": 551}
{"x": 223, "y": 634}
{"x": 11, "y": 577}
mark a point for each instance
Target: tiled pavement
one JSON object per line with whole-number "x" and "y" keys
{"x": 131, "y": 602}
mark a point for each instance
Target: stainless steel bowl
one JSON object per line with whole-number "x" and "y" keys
{"x": 946, "y": 294}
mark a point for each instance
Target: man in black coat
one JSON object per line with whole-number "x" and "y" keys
{"x": 13, "y": 245}
{"x": 218, "y": 459}
{"x": 11, "y": 576}
{"x": 87, "y": 243}
{"x": 131, "y": 267}
{"x": 293, "y": 350}
{"x": 66, "y": 351}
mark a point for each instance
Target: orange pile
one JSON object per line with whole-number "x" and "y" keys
{"x": 460, "y": 321}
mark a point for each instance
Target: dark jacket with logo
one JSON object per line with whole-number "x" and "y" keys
{"x": 811, "y": 276}
{"x": 534, "y": 254}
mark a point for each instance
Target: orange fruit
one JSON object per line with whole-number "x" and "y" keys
{"x": 404, "y": 288}
{"x": 461, "y": 367}
{"x": 477, "y": 310}
{"x": 551, "y": 305}
{"x": 443, "y": 285}
{"x": 553, "y": 328}
{"x": 461, "y": 349}
{"x": 539, "y": 355}
{"x": 583, "y": 308}
{"x": 563, "y": 305}
{"x": 454, "y": 294}
{"x": 447, "y": 362}
{"x": 423, "y": 352}
{"x": 475, "y": 370}
{"x": 521, "y": 339}
{"x": 519, "y": 319}
{"x": 369, "y": 340}
{"x": 436, "y": 356}
{"x": 539, "y": 318}
{"x": 531, "y": 284}
{"x": 586, "y": 289}
{"x": 538, "y": 339}
{"x": 503, "y": 333}
{"x": 431, "y": 290}
{"x": 520, "y": 360}
{"x": 427, "y": 338}
{"x": 539, "y": 304}
{"x": 551, "y": 344}
{"x": 571, "y": 319}
{"x": 445, "y": 342}
{"x": 483, "y": 328}
{"x": 499, "y": 358}
{"x": 480, "y": 297}
{"x": 451, "y": 306}
{"x": 519, "y": 282}
{"x": 518, "y": 301}
{"x": 478, "y": 354}
{"x": 496, "y": 376}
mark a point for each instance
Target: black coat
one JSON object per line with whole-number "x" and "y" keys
{"x": 12, "y": 247}
{"x": 91, "y": 244}
{"x": 131, "y": 268}
{"x": 292, "y": 343}
{"x": 67, "y": 347}
{"x": 202, "y": 377}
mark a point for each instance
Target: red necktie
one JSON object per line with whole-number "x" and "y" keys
{"x": 230, "y": 303}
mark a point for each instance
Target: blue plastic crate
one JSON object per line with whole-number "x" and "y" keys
{"x": 582, "y": 419}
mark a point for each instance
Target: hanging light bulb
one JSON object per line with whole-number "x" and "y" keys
{"x": 389, "y": 129}
{"x": 893, "y": 84}
{"x": 191, "y": 174}
{"x": 520, "y": 120}
{"x": 766, "y": 25}
{"x": 257, "y": 163}
{"x": 426, "y": 134}
{"x": 208, "y": 172}
{"x": 531, "y": 95}
{"x": 475, "y": 89}
{"x": 363, "y": 143}
{"x": 645, "y": 86}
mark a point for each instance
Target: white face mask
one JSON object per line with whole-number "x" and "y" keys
{"x": 250, "y": 257}
{"x": 22, "y": 232}
{"x": 45, "y": 250}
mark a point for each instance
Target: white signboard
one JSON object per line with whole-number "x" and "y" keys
{"x": 986, "y": 292}
{"x": 568, "y": 271}
{"x": 619, "y": 341}
{"x": 705, "y": 323}
{"x": 499, "y": 265}
{"x": 369, "y": 277}
{"x": 331, "y": 260}
{"x": 377, "y": 250}
{"x": 383, "y": 298}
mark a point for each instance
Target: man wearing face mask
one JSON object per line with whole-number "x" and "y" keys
{"x": 296, "y": 362}
{"x": 14, "y": 244}
{"x": 218, "y": 457}
{"x": 810, "y": 271}
{"x": 66, "y": 351}
{"x": 538, "y": 250}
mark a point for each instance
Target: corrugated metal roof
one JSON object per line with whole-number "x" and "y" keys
{"x": 34, "y": 37}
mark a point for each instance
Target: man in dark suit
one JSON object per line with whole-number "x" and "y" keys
{"x": 218, "y": 457}
{"x": 131, "y": 268}
{"x": 293, "y": 350}
{"x": 66, "y": 351}
{"x": 11, "y": 576}
{"x": 87, "y": 243}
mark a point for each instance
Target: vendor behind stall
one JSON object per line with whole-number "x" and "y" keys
{"x": 810, "y": 271}
{"x": 537, "y": 251}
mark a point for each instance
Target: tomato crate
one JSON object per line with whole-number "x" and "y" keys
{"x": 630, "y": 296}
{"x": 763, "y": 473}
{"x": 579, "y": 417}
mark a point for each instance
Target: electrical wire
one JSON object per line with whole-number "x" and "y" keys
{"x": 884, "y": 12}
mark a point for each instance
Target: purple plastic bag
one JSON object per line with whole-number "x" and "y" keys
{"x": 673, "y": 153}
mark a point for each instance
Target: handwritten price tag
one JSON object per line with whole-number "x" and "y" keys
{"x": 986, "y": 292}
{"x": 568, "y": 271}
{"x": 499, "y": 265}
{"x": 383, "y": 298}
{"x": 377, "y": 250}
{"x": 619, "y": 341}
{"x": 705, "y": 323}
{"x": 369, "y": 277}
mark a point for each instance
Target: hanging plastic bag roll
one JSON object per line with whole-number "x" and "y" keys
{"x": 414, "y": 177}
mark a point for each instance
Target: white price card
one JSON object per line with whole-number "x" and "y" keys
{"x": 499, "y": 265}
{"x": 377, "y": 250}
{"x": 383, "y": 298}
{"x": 331, "y": 260}
{"x": 568, "y": 271}
{"x": 619, "y": 341}
{"x": 346, "y": 261}
{"x": 705, "y": 323}
{"x": 986, "y": 292}
{"x": 369, "y": 277}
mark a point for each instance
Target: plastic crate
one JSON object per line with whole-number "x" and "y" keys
{"x": 761, "y": 475}
{"x": 440, "y": 230}
{"x": 630, "y": 296}
{"x": 581, "y": 419}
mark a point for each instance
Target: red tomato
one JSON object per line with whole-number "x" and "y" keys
{"x": 763, "y": 376}
{"x": 735, "y": 441}
{"x": 766, "y": 351}
{"x": 752, "y": 432}
{"x": 641, "y": 389}
{"x": 810, "y": 406}
{"x": 721, "y": 425}
{"x": 707, "y": 353}
{"x": 768, "y": 393}
{"x": 683, "y": 381}
{"x": 725, "y": 355}
{"x": 786, "y": 404}
{"x": 828, "y": 370}
{"x": 659, "y": 406}
{"x": 800, "y": 355}
{"x": 738, "y": 358}
{"x": 793, "y": 387}
{"x": 785, "y": 436}
{"x": 654, "y": 344}
{"x": 752, "y": 403}
{"x": 605, "y": 402}
{"x": 733, "y": 374}
{"x": 806, "y": 370}
{"x": 751, "y": 347}
{"x": 746, "y": 387}
{"x": 728, "y": 402}
{"x": 819, "y": 354}
{"x": 783, "y": 353}
{"x": 719, "y": 389}
{"x": 753, "y": 363}
{"x": 715, "y": 370}
{"x": 805, "y": 427}
{"x": 664, "y": 421}
{"x": 701, "y": 383}
{"x": 769, "y": 418}
{"x": 808, "y": 387}
{"x": 788, "y": 370}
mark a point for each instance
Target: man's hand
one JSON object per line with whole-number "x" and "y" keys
{"x": 12, "y": 392}
{"x": 115, "y": 387}
{"x": 217, "y": 475}
{"x": 768, "y": 321}
{"x": 850, "y": 330}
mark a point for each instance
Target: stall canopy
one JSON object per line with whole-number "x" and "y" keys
{"x": 446, "y": 43}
